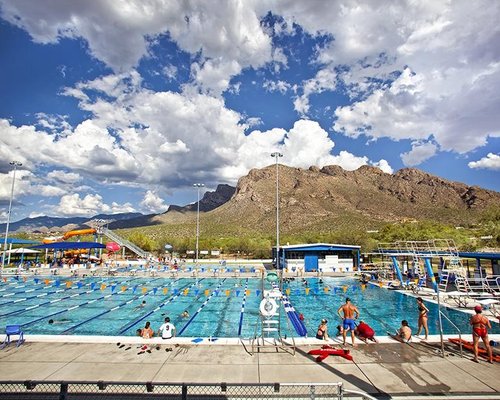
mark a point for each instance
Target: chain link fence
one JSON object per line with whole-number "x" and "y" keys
{"x": 67, "y": 390}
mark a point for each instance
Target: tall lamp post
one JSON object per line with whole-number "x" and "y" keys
{"x": 14, "y": 164}
{"x": 277, "y": 155}
{"x": 198, "y": 186}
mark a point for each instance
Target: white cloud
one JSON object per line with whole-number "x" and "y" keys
{"x": 491, "y": 161}
{"x": 229, "y": 37}
{"x": 450, "y": 48}
{"x": 170, "y": 71}
{"x": 48, "y": 191}
{"x": 276, "y": 86}
{"x": 384, "y": 166}
{"x": 324, "y": 80}
{"x": 153, "y": 203}
{"x": 21, "y": 185}
{"x": 420, "y": 152}
{"x": 304, "y": 145}
{"x": 73, "y": 204}
{"x": 64, "y": 177}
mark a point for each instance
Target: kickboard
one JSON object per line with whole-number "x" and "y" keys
{"x": 470, "y": 346}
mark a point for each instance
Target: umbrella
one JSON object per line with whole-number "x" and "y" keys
{"x": 112, "y": 246}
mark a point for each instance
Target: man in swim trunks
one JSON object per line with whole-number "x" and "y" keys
{"x": 365, "y": 332}
{"x": 480, "y": 325}
{"x": 350, "y": 313}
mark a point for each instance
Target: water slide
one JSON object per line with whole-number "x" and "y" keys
{"x": 69, "y": 234}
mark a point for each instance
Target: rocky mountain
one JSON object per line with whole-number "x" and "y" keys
{"x": 329, "y": 198}
{"x": 210, "y": 201}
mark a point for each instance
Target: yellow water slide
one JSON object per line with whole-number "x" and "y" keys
{"x": 78, "y": 232}
{"x": 69, "y": 234}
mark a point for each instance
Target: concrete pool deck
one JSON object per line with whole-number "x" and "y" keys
{"x": 384, "y": 370}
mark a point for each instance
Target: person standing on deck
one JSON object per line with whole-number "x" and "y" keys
{"x": 349, "y": 314}
{"x": 480, "y": 325}
{"x": 423, "y": 313}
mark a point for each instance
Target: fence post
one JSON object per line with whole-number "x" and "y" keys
{"x": 184, "y": 391}
{"x": 313, "y": 391}
{"x": 64, "y": 391}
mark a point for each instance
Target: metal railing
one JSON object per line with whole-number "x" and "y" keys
{"x": 125, "y": 243}
{"x": 67, "y": 390}
{"x": 459, "y": 333}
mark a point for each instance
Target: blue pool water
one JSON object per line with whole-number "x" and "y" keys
{"x": 110, "y": 306}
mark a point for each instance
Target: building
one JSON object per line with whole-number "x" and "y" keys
{"x": 321, "y": 257}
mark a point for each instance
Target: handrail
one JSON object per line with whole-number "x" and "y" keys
{"x": 457, "y": 328}
{"x": 124, "y": 242}
{"x": 362, "y": 394}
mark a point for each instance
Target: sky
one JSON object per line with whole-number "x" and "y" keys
{"x": 122, "y": 105}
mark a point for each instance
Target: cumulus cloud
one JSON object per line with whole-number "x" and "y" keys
{"x": 414, "y": 70}
{"x": 22, "y": 184}
{"x": 491, "y": 161}
{"x": 384, "y": 166}
{"x": 64, "y": 177}
{"x": 89, "y": 205}
{"x": 153, "y": 203}
{"x": 120, "y": 33}
{"x": 324, "y": 80}
{"x": 420, "y": 152}
{"x": 305, "y": 144}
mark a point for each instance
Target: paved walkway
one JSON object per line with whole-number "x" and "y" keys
{"x": 383, "y": 370}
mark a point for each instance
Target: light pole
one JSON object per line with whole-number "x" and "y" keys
{"x": 15, "y": 164}
{"x": 198, "y": 186}
{"x": 277, "y": 155}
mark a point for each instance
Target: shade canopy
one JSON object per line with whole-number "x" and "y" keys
{"x": 22, "y": 250}
{"x": 70, "y": 246}
{"x": 18, "y": 241}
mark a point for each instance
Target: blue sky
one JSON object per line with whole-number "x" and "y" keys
{"x": 120, "y": 106}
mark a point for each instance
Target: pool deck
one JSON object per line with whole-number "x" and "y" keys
{"x": 385, "y": 370}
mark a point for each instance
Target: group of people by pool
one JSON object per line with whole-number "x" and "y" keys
{"x": 349, "y": 314}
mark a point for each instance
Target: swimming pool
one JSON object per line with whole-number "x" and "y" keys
{"x": 217, "y": 307}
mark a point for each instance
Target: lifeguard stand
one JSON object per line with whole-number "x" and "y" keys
{"x": 268, "y": 332}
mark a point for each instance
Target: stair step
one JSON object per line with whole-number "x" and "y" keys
{"x": 270, "y": 329}
{"x": 270, "y": 321}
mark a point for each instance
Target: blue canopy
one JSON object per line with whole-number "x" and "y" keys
{"x": 19, "y": 241}
{"x": 70, "y": 245}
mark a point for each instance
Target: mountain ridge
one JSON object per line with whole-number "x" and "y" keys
{"x": 323, "y": 199}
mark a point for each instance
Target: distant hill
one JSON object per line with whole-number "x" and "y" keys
{"x": 46, "y": 224}
{"x": 210, "y": 201}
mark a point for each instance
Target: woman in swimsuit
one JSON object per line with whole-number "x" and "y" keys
{"x": 423, "y": 312}
{"x": 480, "y": 325}
{"x": 322, "y": 333}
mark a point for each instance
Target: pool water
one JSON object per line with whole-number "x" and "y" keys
{"x": 217, "y": 307}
